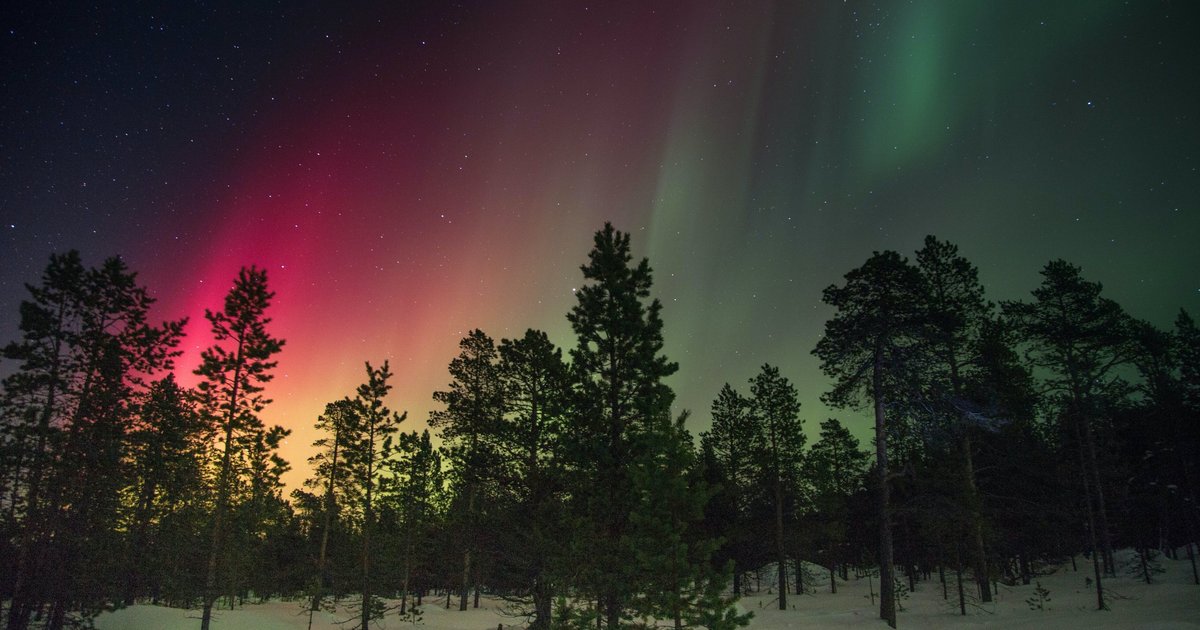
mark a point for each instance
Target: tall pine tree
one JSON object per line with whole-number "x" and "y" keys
{"x": 165, "y": 451}
{"x": 619, "y": 371}
{"x": 234, "y": 371}
{"x": 474, "y": 403}
{"x": 368, "y": 448}
{"x": 868, "y": 349}
{"x": 734, "y": 440}
{"x": 954, "y": 311}
{"x": 775, "y": 408}
{"x": 413, "y": 491}
{"x": 529, "y": 440}
{"x": 1080, "y": 339}
{"x": 835, "y": 466}
{"x": 337, "y": 425}
{"x": 86, "y": 353}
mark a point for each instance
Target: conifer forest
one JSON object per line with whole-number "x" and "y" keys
{"x": 1008, "y": 437}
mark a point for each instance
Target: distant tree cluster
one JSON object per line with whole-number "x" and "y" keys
{"x": 112, "y": 473}
{"x": 1007, "y": 437}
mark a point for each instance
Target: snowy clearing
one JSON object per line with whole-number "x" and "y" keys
{"x": 1171, "y": 603}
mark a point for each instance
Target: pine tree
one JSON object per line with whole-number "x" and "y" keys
{"x": 835, "y": 466}
{"x": 413, "y": 492}
{"x": 263, "y": 516}
{"x": 1023, "y": 494}
{"x": 474, "y": 403}
{"x": 1149, "y": 432}
{"x": 954, "y": 311}
{"x": 234, "y": 371}
{"x": 367, "y": 450}
{"x": 1080, "y": 338}
{"x": 868, "y": 349}
{"x": 619, "y": 370}
{"x": 734, "y": 440}
{"x": 528, "y": 439}
{"x": 672, "y": 555}
{"x": 1186, "y": 344}
{"x": 36, "y": 396}
{"x": 86, "y": 351}
{"x": 337, "y": 425}
{"x": 164, "y": 455}
{"x": 774, "y": 406}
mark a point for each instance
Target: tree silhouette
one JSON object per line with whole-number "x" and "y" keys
{"x": 235, "y": 369}
{"x": 474, "y": 403}
{"x": 734, "y": 440}
{"x": 954, "y": 311}
{"x": 619, "y": 370}
{"x": 164, "y": 450}
{"x": 529, "y": 443}
{"x": 369, "y": 446}
{"x": 775, "y": 408}
{"x": 835, "y": 466}
{"x": 868, "y": 348}
{"x": 1080, "y": 338}
{"x": 337, "y": 424}
{"x": 413, "y": 492}
{"x": 86, "y": 352}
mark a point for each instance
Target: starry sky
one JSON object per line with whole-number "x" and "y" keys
{"x": 410, "y": 171}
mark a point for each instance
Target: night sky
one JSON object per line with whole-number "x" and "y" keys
{"x": 408, "y": 172}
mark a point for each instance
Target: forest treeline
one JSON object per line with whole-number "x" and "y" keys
{"x": 1008, "y": 437}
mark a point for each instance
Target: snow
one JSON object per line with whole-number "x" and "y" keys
{"x": 285, "y": 615}
{"x": 1171, "y": 603}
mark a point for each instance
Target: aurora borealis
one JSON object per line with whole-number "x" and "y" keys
{"x": 408, "y": 172}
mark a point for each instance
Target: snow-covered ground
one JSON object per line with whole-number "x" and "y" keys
{"x": 1172, "y": 602}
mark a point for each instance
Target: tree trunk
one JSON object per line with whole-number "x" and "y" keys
{"x": 57, "y": 616}
{"x": 1102, "y": 513}
{"x": 942, "y": 577}
{"x": 1192, "y": 558}
{"x": 978, "y": 555}
{"x": 962, "y": 597}
{"x": 470, "y": 542}
{"x": 542, "y": 605}
{"x": 138, "y": 539}
{"x": 1091, "y": 515}
{"x": 407, "y": 573}
{"x": 887, "y": 593}
{"x": 613, "y": 612}
{"x": 780, "y": 556}
{"x": 330, "y": 504}
{"x": 223, "y": 483}
{"x": 368, "y": 517}
{"x": 218, "y": 531}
